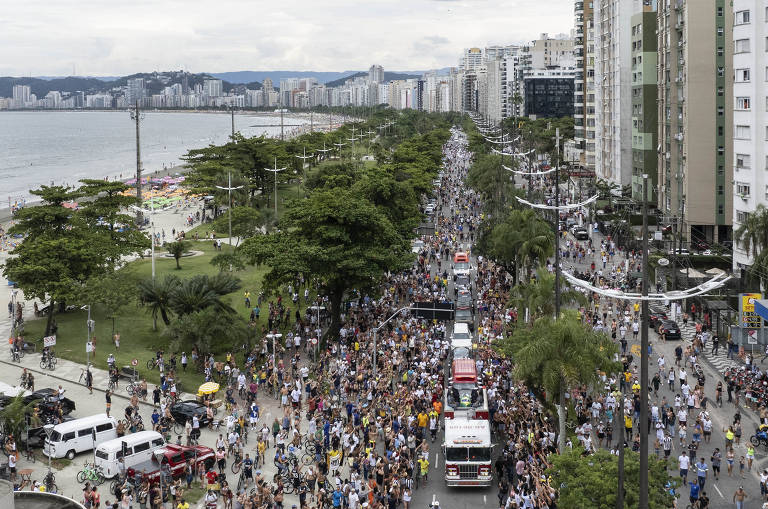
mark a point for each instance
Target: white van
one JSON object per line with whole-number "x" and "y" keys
{"x": 138, "y": 447}
{"x": 78, "y": 435}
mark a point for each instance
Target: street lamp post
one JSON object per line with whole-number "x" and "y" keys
{"x": 159, "y": 454}
{"x": 275, "y": 170}
{"x": 303, "y": 160}
{"x": 229, "y": 190}
{"x": 151, "y": 211}
{"x": 48, "y": 428}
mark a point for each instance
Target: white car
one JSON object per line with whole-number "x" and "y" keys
{"x": 417, "y": 246}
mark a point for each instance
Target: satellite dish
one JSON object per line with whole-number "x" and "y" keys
{"x": 663, "y": 262}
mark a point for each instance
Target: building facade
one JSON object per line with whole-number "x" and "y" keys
{"x": 549, "y": 93}
{"x": 644, "y": 113}
{"x": 584, "y": 85}
{"x": 695, "y": 124}
{"x": 750, "y": 121}
{"x": 613, "y": 91}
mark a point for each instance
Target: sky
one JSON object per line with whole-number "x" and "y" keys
{"x": 97, "y": 38}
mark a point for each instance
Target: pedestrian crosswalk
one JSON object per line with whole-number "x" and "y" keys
{"x": 720, "y": 360}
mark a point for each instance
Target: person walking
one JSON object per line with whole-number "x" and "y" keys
{"x": 108, "y": 398}
{"x": 739, "y": 497}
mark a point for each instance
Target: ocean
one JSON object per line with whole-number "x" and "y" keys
{"x": 62, "y": 147}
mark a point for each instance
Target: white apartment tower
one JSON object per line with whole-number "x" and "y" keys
{"x": 376, "y": 74}
{"x": 750, "y": 117}
{"x": 213, "y": 88}
{"x": 584, "y": 84}
{"x": 613, "y": 91}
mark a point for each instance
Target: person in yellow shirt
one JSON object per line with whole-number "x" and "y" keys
{"x": 424, "y": 467}
{"x": 422, "y": 419}
{"x": 183, "y": 504}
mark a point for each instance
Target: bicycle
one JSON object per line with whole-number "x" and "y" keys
{"x": 152, "y": 364}
{"x": 16, "y": 355}
{"x": 112, "y": 385}
{"x": 134, "y": 387}
{"x": 48, "y": 362}
{"x": 90, "y": 473}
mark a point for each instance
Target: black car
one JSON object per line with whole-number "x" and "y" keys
{"x": 656, "y": 314}
{"x": 669, "y": 329}
{"x": 581, "y": 234}
{"x": 47, "y": 401}
{"x": 182, "y": 411}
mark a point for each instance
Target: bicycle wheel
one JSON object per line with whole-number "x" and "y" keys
{"x": 150, "y": 364}
{"x": 754, "y": 440}
{"x": 43, "y": 364}
{"x": 177, "y": 428}
{"x": 307, "y": 459}
{"x": 129, "y": 389}
{"x": 236, "y": 466}
{"x": 80, "y": 477}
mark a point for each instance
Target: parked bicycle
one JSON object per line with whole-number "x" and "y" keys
{"x": 90, "y": 473}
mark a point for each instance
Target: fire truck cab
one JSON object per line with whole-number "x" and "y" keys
{"x": 467, "y": 449}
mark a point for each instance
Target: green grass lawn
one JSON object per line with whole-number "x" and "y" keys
{"x": 134, "y": 323}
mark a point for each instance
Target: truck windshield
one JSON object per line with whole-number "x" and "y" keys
{"x": 464, "y": 398}
{"x": 456, "y": 454}
{"x": 479, "y": 454}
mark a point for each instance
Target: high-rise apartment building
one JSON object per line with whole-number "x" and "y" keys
{"x": 376, "y": 74}
{"x": 584, "y": 84}
{"x": 267, "y": 85}
{"x": 135, "y": 91}
{"x": 21, "y": 95}
{"x": 213, "y": 88}
{"x": 613, "y": 91}
{"x": 471, "y": 60}
{"x": 644, "y": 113}
{"x": 695, "y": 109}
{"x": 548, "y": 51}
{"x": 750, "y": 120}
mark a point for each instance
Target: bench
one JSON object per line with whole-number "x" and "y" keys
{"x": 128, "y": 373}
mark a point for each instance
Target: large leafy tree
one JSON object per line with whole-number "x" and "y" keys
{"x": 63, "y": 248}
{"x": 523, "y": 239}
{"x": 752, "y": 237}
{"x": 558, "y": 355}
{"x": 336, "y": 236}
{"x": 589, "y": 480}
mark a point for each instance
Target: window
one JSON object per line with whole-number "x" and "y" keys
{"x": 743, "y": 161}
{"x": 720, "y": 71}
{"x": 742, "y": 103}
{"x": 720, "y": 190}
{"x": 720, "y": 130}
{"x": 719, "y": 11}
{"x": 85, "y": 432}
{"x": 741, "y": 217}
{"x": 766, "y": 192}
{"x": 741, "y": 18}
{"x": 158, "y": 442}
{"x": 720, "y": 31}
{"x": 720, "y": 51}
{"x": 742, "y": 75}
{"x": 103, "y": 427}
{"x": 720, "y": 210}
{"x": 68, "y": 436}
{"x": 742, "y": 132}
{"x": 742, "y": 189}
{"x": 140, "y": 447}
{"x": 741, "y": 46}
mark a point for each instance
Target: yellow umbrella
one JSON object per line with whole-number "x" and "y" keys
{"x": 208, "y": 388}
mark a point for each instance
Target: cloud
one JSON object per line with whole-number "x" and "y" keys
{"x": 105, "y": 38}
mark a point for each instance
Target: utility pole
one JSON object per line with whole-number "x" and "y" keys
{"x": 311, "y": 122}
{"x": 137, "y": 117}
{"x": 275, "y": 170}
{"x": 557, "y": 223}
{"x": 282, "y": 133}
{"x": 229, "y": 190}
{"x": 232, "y": 111}
{"x": 620, "y": 422}
{"x": 643, "y": 425}
{"x": 303, "y": 160}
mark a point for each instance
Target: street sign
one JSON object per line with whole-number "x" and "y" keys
{"x": 134, "y": 362}
{"x": 663, "y": 262}
{"x": 313, "y": 341}
{"x": 752, "y": 337}
{"x": 749, "y": 319}
{"x": 49, "y": 341}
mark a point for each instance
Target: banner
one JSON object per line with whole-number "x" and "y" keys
{"x": 49, "y": 341}
{"x": 749, "y": 319}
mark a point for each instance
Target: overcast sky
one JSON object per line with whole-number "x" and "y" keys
{"x": 117, "y": 38}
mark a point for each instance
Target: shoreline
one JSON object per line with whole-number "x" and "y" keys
{"x": 5, "y": 212}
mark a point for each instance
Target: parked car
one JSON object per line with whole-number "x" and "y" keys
{"x": 656, "y": 313}
{"x": 581, "y": 234}
{"x": 669, "y": 329}
{"x": 174, "y": 458}
{"x": 181, "y": 411}
{"x": 49, "y": 397}
{"x": 37, "y": 435}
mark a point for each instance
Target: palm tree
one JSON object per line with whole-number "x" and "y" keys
{"x": 557, "y": 355}
{"x": 538, "y": 295}
{"x": 157, "y": 296}
{"x": 201, "y": 292}
{"x": 177, "y": 249}
{"x": 15, "y": 414}
{"x": 523, "y": 239}
{"x": 752, "y": 235}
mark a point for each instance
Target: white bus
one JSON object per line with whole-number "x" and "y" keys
{"x": 135, "y": 448}
{"x": 467, "y": 449}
